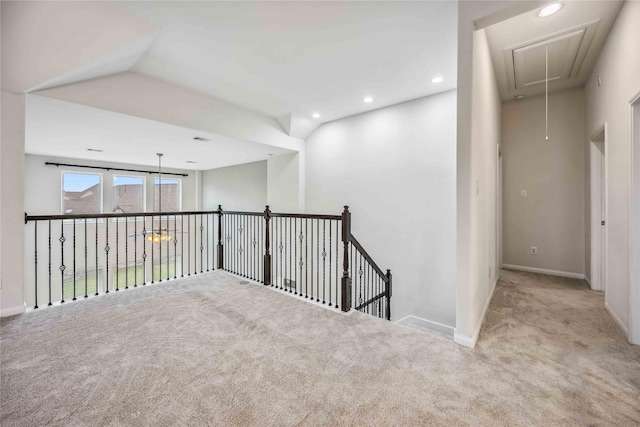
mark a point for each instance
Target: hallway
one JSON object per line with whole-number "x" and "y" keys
{"x": 211, "y": 350}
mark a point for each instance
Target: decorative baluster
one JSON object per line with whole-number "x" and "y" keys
{"x": 229, "y": 229}
{"x": 35, "y": 261}
{"x": 126, "y": 252}
{"x": 117, "y": 223}
{"x": 175, "y": 247}
{"x": 254, "y": 264}
{"x": 135, "y": 251}
{"x": 181, "y": 245}
{"x": 153, "y": 249}
{"x": 86, "y": 267}
{"x": 159, "y": 248}
{"x": 289, "y": 249}
{"x": 281, "y": 247}
{"x": 144, "y": 251}
{"x": 330, "y": 257}
{"x": 306, "y": 258}
{"x": 62, "y": 266}
{"x": 239, "y": 236}
{"x": 324, "y": 259}
{"x": 189, "y": 244}
{"x": 360, "y": 274}
{"x": 312, "y": 260}
{"x": 201, "y": 246}
{"x": 106, "y": 250}
{"x": 318, "y": 261}
{"x": 168, "y": 249}
{"x": 74, "y": 259}
{"x": 337, "y": 263}
{"x": 96, "y": 249}
{"x": 50, "y": 303}
{"x": 267, "y": 249}
{"x": 220, "y": 247}
{"x": 388, "y": 291}
{"x": 301, "y": 263}
{"x": 207, "y": 234}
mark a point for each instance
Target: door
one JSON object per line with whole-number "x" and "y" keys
{"x": 597, "y": 148}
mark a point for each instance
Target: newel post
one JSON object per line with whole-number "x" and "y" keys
{"x": 267, "y": 253}
{"x": 346, "y": 280}
{"x": 388, "y": 292}
{"x": 220, "y": 247}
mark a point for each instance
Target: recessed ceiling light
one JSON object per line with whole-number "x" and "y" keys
{"x": 437, "y": 79}
{"x": 519, "y": 97}
{"x": 270, "y": 154}
{"x": 316, "y": 115}
{"x": 95, "y": 150}
{"x": 191, "y": 161}
{"x": 368, "y": 99}
{"x": 549, "y": 10}
{"x": 199, "y": 138}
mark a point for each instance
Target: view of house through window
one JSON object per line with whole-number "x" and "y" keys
{"x": 128, "y": 194}
{"x": 170, "y": 195}
{"x": 86, "y": 283}
{"x": 82, "y": 193}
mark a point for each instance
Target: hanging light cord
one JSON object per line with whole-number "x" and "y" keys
{"x": 546, "y": 90}
{"x": 159, "y": 181}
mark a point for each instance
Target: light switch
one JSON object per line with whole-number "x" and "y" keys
{"x": 523, "y": 193}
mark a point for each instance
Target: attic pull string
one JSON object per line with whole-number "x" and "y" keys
{"x": 546, "y": 91}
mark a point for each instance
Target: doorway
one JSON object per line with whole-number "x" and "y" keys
{"x": 598, "y": 177}
{"x": 634, "y": 224}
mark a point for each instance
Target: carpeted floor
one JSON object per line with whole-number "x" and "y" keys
{"x": 211, "y": 351}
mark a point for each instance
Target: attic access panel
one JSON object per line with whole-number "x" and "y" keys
{"x": 567, "y": 50}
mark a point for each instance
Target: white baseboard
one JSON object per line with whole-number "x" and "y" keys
{"x": 544, "y": 271}
{"x": 470, "y": 341}
{"x": 12, "y": 311}
{"x": 427, "y": 326}
{"x": 619, "y": 323}
{"x": 586, "y": 279}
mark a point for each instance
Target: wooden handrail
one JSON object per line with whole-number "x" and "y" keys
{"x": 370, "y": 260}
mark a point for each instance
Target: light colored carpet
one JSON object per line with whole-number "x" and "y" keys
{"x": 210, "y": 351}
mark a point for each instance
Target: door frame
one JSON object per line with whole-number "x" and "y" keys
{"x": 634, "y": 219}
{"x": 598, "y": 189}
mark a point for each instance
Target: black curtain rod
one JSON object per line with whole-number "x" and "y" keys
{"x": 113, "y": 169}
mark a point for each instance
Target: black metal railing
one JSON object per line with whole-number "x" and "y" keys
{"x": 312, "y": 256}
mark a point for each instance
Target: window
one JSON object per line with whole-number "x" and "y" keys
{"x": 88, "y": 282}
{"x": 81, "y": 193}
{"x": 128, "y": 194}
{"x": 171, "y": 195}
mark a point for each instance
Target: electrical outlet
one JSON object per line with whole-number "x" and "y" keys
{"x": 534, "y": 250}
{"x": 523, "y": 193}
{"x": 289, "y": 284}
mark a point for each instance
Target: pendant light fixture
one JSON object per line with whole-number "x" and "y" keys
{"x": 159, "y": 234}
{"x": 546, "y": 91}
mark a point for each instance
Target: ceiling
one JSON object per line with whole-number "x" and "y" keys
{"x": 277, "y": 62}
{"x": 276, "y": 58}
{"x": 65, "y": 129}
{"x": 571, "y": 39}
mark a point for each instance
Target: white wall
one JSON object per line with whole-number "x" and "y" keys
{"x": 395, "y": 168}
{"x": 43, "y": 184}
{"x": 479, "y": 272}
{"x": 619, "y": 68}
{"x": 236, "y": 188}
{"x": 551, "y": 217}
{"x": 283, "y": 183}
{"x": 12, "y": 204}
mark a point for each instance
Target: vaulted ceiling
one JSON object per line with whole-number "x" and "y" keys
{"x": 275, "y": 58}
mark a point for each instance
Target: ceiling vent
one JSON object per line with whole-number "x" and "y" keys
{"x": 567, "y": 49}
